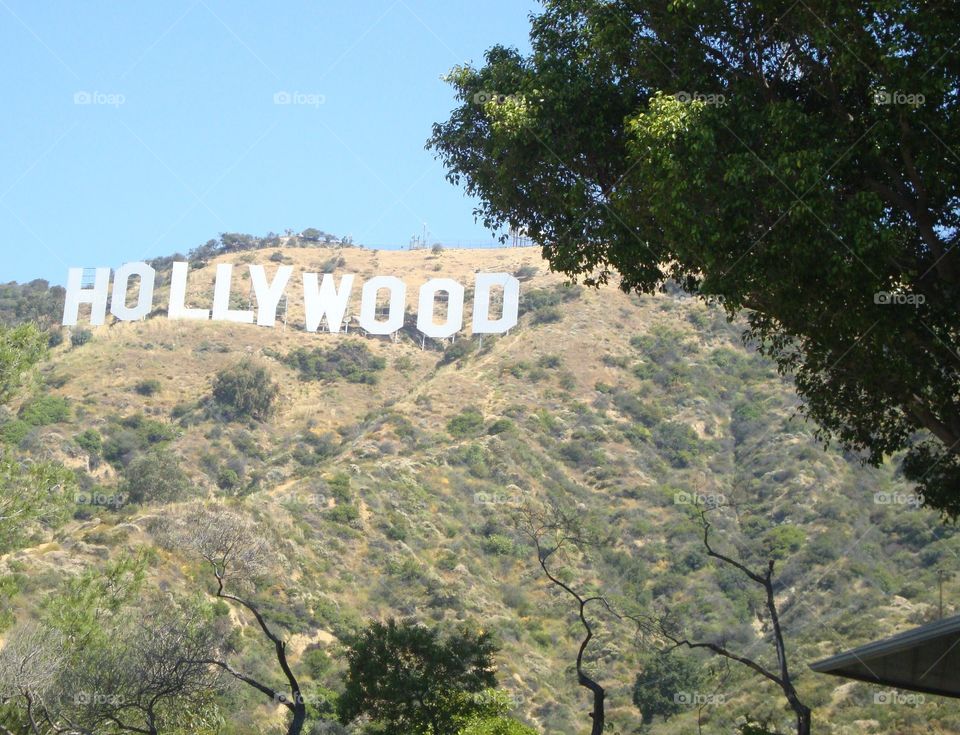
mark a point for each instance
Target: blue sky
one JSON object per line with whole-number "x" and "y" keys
{"x": 132, "y": 130}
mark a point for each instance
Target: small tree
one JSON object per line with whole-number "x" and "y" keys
{"x": 236, "y": 553}
{"x": 413, "y": 681}
{"x": 780, "y": 675}
{"x": 553, "y": 534}
{"x": 794, "y": 166}
{"x": 20, "y": 349}
{"x": 80, "y": 337}
{"x": 29, "y": 495}
{"x": 103, "y": 659}
{"x": 245, "y": 390}
{"x": 660, "y": 680}
{"x": 156, "y": 477}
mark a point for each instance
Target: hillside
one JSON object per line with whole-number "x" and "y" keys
{"x": 393, "y": 489}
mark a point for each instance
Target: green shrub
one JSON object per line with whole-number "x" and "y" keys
{"x": 20, "y": 349}
{"x": 547, "y": 315}
{"x": 45, "y": 410}
{"x": 344, "y": 513}
{"x": 544, "y": 298}
{"x": 467, "y": 423}
{"x": 147, "y": 387}
{"x": 228, "y": 479}
{"x": 339, "y": 486}
{"x": 457, "y": 351}
{"x": 661, "y": 678}
{"x": 496, "y": 726}
{"x": 525, "y": 272}
{"x": 781, "y": 541}
{"x": 80, "y": 337}
{"x": 245, "y": 391}
{"x": 14, "y": 432}
{"x": 581, "y": 454}
{"x": 133, "y": 434}
{"x": 350, "y": 360}
{"x": 155, "y": 477}
{"x": 500, "y": 426}
{"x": 677, "y": 442}
{"x": 90, "y": 441}
{"x": 475, "y": 457}
{"x": 499, "y": 545}
{"x": 632, "y": 406}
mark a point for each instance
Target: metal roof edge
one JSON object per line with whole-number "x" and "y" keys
{"x": 898, "y": 642}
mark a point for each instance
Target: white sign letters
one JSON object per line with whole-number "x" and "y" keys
{"x": 326, "y": 298}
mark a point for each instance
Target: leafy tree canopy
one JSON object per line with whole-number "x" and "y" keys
{"x": 794, "y": 160}
{"x": 156, "y": 477}
{"x": 660, "y": 688}
{"x": 245, "y": 391}
{"x": 414, "y": 681}
{"x": 20, "y": 349}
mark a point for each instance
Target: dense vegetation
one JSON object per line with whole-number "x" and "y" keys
{"x": 36, "y": 301}
{"x": 787, "y": 165}
{"x": 350, "y": 360}
{"x": 127, "y": 496}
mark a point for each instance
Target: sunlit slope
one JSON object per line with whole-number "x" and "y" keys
{"x": 619, "y": 406}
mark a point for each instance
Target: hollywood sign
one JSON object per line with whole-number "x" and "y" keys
{"x": 323, "y": 297}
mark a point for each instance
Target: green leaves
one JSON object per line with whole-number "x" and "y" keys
{"x": 31, "y": 494}
{"x": 245, "y": 391}
{"x": 793, "y": 161}
{"x": 20, "y": 349}
{"x": 413, "y": 680}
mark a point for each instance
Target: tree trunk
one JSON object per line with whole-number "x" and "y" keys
{"x": 803, "y": 719}
{"x": 299, "y": 717}
{"x": 598, "y": 696}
